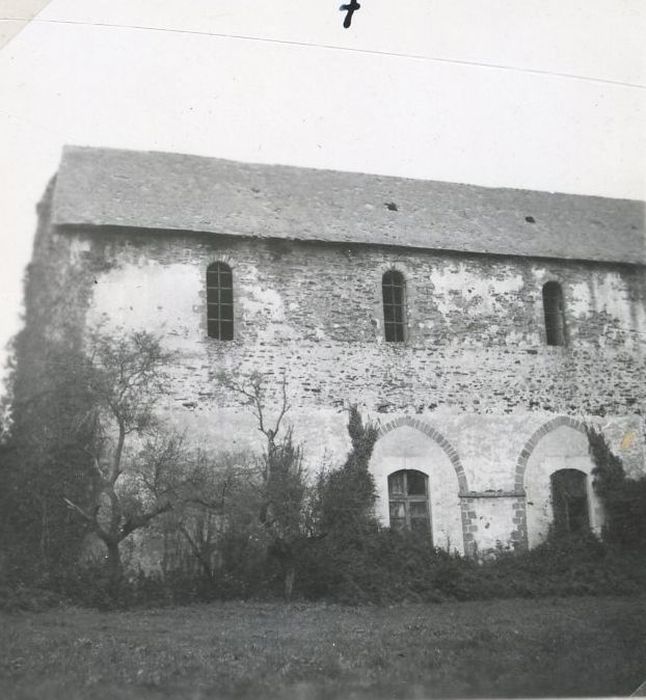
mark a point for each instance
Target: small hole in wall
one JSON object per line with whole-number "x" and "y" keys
{"x": 530, "y": 219}
{"x": 391, "y": 206}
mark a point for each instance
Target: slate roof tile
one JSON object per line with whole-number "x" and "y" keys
{"x": 166, "y": 191}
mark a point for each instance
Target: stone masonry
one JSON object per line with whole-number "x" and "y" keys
{"x": 474, "y": 398}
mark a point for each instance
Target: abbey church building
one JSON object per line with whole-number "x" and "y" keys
{"x": 481, "y": 329}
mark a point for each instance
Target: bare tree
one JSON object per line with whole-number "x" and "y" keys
{"x": 283, "y": 483}
{"x": 137, "y": 463}
{"x": 213, "y": 495}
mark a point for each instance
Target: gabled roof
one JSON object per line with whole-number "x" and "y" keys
{"x": 165, "y": 191}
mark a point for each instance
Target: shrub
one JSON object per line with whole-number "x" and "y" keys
{"x": 624, "y": 499}
{"x": 15, "y": 598}
{"x": 398, "y": 567}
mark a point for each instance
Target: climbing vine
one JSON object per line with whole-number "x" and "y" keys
{"x": 623, "y": 498}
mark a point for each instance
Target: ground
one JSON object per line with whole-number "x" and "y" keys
{"x": 560, "y": 647}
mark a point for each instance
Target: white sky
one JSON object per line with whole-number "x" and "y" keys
{"x": 540, "y": 94}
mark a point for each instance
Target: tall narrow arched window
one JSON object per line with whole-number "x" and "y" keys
{"x": 570, "y": 501}
{"x": 219, "y": 301}
{"x": 408, "y": 501}
{"x": 393, "y": 289}
{"x": 555, "y": 331}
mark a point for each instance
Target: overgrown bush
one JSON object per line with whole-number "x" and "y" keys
{"x": 249, "y": 527}
{"x": 24, "y": 598}
{"x": 623, "y": 498}
{"x": 389, "y": 567}
{"x": 383, "y": 566}
{"x": 575, "y": 565}
{"x": 346, "y": 497}
{"x": 399, "y": 567}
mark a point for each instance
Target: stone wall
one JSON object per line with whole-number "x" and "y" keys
{"x": 475, "y": 380}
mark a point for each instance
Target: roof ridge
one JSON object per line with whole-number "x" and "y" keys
{"x": 309, "y": 168}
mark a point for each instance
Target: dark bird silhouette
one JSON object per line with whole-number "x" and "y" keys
{"x": 350, "y": 9}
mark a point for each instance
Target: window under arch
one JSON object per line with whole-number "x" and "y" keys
{"x": 219, "y": 301}
{"x": 570, "y": 501}
{"x": 393, "y": 289}
{"x": 555, "y": 331}
{"x": 408, "y": 501}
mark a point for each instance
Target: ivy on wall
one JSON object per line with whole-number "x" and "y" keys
{"x": 623, "y": 498}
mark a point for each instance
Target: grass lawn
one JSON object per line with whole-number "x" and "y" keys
{"x": 575, "y": 646}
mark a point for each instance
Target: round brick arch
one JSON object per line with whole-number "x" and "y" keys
{"x": 435, "y": 435}
{"x": 526, "y": 452}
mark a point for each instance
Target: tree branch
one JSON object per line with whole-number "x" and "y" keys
{"x": 199, "y": 555}
{"x": 86, "y": 516}
{"x": 138, "y": 521}
{"x": 116, "y": 463}
{"x": 95, "y": 465}
{"x": 90, "y": 519}
{"x": 285, "y": 406}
